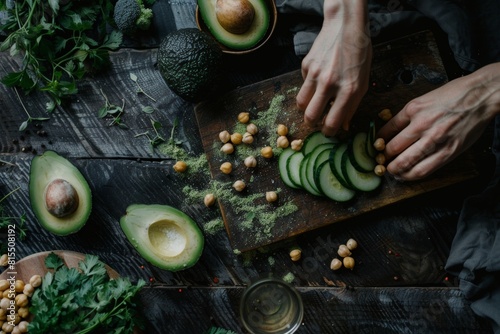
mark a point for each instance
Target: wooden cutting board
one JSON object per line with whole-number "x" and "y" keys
{"x": 401, "y": 70}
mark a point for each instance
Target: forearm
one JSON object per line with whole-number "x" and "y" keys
{"x": 355, "y": 11}
{"x": 487, "y": 81}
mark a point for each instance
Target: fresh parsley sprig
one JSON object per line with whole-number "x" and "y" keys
{"x": 59, "y": 43}
{"x": 82, "y": 300}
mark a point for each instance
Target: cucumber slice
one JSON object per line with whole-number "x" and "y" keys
{"x": 315, "y": 139}
{"x": 282, "y": 167}
{"x": 293, "y": 168}
{"x": 357, "y": 153}
{"x": 330, "y": 185}
{"x": 358, "y": 180}
{"x": 370, "y": 139}
{"x": 304, "y": 180}
{"x": 335, "y": 160}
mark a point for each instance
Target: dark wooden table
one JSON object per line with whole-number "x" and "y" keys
{"x": 399, "y": 284}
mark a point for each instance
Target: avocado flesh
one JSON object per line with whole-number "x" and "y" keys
{"x": 164, "y": 236}
{"x": 46, "y": 168}
{"x": 243, "y": 41}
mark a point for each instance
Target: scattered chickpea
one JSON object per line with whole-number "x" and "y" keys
{"x": 7, "y": 327}
{"x": 5, "y": 293}
{"x": 348, "y": 262}
{"x": 209, "y": 200}
{"x": 385, "y": 114}
{"x": 282, "y": 130}
{"x": 247, "y": 138}
{"x": 4, "y": 260}
{"x": 295, "y": 254}
{"x": 16, "y": 330}
{"x": 271, "y": 196}
{"x": 3, "y": 314}
{"x": 4, "y": 284}
{"x": 250, "y": 161}
{"x": 36, "y": 281}
{"x": 236, "y": 138}
{"x": 252, "y": 129}
{"x": 282, "y": 142}
{"x": 243, "y": 117}
{"x": 343, "y": 251}
{"x": 23, "y": 312}
{"x": 379, "y": 144}
{"x": 380, "y": 158}
{"x": 227, "y": 148}
{"x": 21, "y": 300}
{"x": 224, "y": 136}
{"x": 4, "y": 303}
{"x": 23, "y": 326}
{"x": 335, "y": 264}
{"x": 379, "y": 170}
{"x": 180, "y": 166}
{"x": 352, "y": 244}
{"x": 226, "y": 167}
{"x": 267, "y": 152}
{"x": 297, "y": 144}
{"x": 239, "y": 185}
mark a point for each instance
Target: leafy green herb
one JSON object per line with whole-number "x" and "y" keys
{"x": 59, "y": 42}
{"x": 112, "y": 110}
{"x": 139, "y": 88}
{"x": 218, "y": 330}
{"x": 83, "y": 300}
{"x": 30, "y": 119}
{"x": 156, "y": 139}
{"x": 5, "y": 221}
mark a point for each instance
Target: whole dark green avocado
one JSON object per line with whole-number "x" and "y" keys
{"x": 190, "y": 62}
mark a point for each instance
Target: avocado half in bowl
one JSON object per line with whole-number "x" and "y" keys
{"x": 238, "y": 26}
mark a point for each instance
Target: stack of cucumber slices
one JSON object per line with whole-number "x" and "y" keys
{"x": 327, "y": 166}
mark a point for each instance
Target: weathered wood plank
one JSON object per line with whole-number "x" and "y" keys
{"x": 327, "y": 310}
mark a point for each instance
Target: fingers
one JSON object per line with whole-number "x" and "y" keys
{"x": 339, "y": 116}
{"x": 313, "y": 102}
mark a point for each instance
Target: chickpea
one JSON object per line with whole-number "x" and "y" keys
{"x": 343, "y": 251}
{"x": 379, "y": 144}
{"x": 4, "y": 284}
{"x": 282, "y": 142}
{"x": 247, "y": 138}
{"x": 224, "y": 136}
{"x": 271, "y": 196}
{"x": 209, "y": 200}
{"x": 36, "y": 281}
{"x": 252, "y": 129}
{"x": 236, "y": 138}
{"x": 379, "y": 170}
{"x": 282, "y": 130}
{"x": 227, "y": 148}
{"x": 24, "y": 312}
{"x": 335, "y": 264}
{"x": 267, "y": 152}
{"x": 3, "y": 314}
{"x": 6, "y": 293}
{"x": 295, "y": 254}
{"x": 15, "y": 330}
{"x": 244, "y": 117}
{"x": 385, "y": 114}
{"x": 21, "y": 300}
{"x": 180, "y": 167}
{"x": 19, "y": 285}
{"x": 23, "y": 326}
{"x": 348, "y": 262}
{"x": 352, "y": 244}
{"x": 239, "y": 185}
{"x": 250, "y": 161}
{"x": 4, "y": 260}
{"x": 226, "y": 167}
{"x": 297, "y": 144}
{"x": 28, "y": 290}
{"x": 380, "y": 158}
{"x": 7, "y": 327}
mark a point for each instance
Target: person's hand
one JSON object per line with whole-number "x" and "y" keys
{"x": 433, "y": 129}
{"x": 336, "y": 69}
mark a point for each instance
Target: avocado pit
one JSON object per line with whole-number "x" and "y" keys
{"x": 61, "y": 198}
{"x": 235, "y": 16}
{"x": 167, "y": 238}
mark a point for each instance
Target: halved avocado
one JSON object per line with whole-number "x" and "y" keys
{"x": 163, "y": 235}
{"x": 60, "y": 196}
{"x": 241, "y": 40}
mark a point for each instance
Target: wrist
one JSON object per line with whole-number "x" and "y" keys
{"x": 489, "y": 78}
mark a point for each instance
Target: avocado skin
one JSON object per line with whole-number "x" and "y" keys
{"x": 190, "y": 62}
{"x": 46, "y": 167}
{"x": 138, "y": 220}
